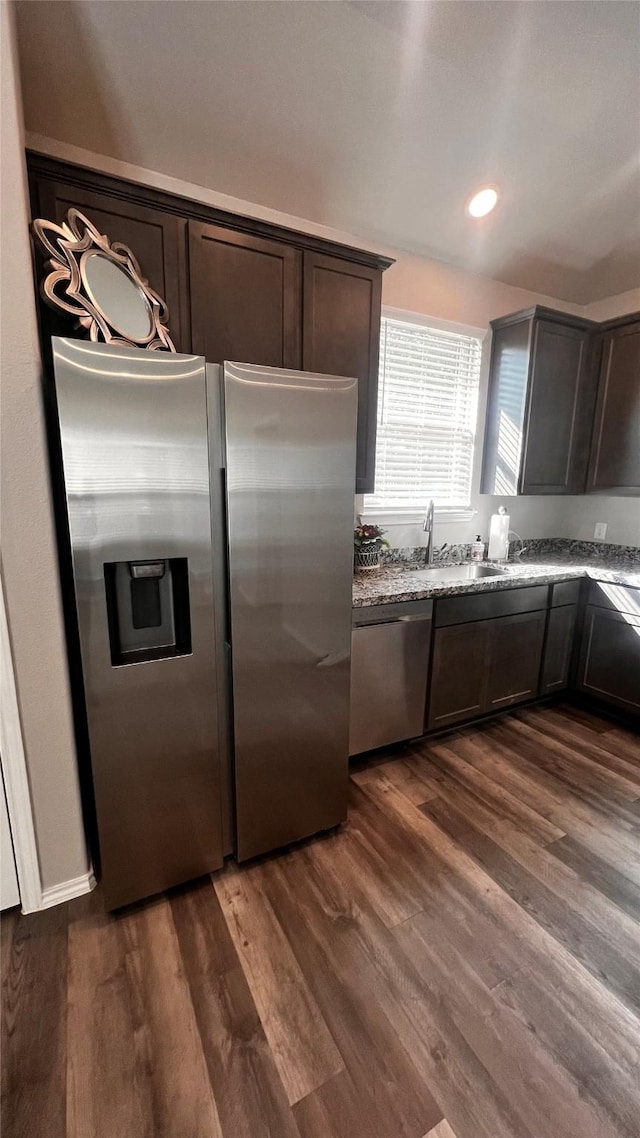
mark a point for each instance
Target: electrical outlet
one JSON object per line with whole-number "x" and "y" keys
{"x": 600, "y": 531}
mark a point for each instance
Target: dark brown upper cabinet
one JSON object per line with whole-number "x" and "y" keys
{"x": 156, "y": 239}
{"x": 540, "y": 404}
{"x": 237, "y": 288}
{"x": 614, "y": 467}
{"x": 245, "y": 297}
{"x": 341, "y": 336}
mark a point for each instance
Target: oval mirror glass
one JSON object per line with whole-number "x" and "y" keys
{"x": 111, "y": 288}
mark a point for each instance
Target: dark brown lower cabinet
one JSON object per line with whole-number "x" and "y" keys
{"x": 609, "y": 666}
{"x": 485, "y": 665}
{"x": 558, "y": 649}
{"x": 458, "y": 672}
{"x": 515, "y": 655}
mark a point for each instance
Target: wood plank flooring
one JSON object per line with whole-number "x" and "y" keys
{"x": 461, "y": 960}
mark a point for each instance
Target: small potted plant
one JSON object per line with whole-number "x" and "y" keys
{"x": 368, "y": 544}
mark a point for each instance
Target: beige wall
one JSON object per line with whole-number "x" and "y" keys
{"x": 578, "y": 516}
{"x": 614, "y": 306}
{"x": 29, "y": 562}
{"x": 432, "y": 288}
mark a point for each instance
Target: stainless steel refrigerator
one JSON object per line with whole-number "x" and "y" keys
{"x": 210, "y": 515}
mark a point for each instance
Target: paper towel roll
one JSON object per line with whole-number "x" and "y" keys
{"x": 499, "y": 536}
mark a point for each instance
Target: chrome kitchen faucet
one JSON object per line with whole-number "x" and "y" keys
{"x": 427, "y": 526}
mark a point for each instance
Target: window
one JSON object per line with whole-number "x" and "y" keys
{"x": 427, "y": 407}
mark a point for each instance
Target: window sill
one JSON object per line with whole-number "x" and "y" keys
{"x": 410, "y": 517}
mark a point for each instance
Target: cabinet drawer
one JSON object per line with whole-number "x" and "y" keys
{"x": 621, "y": 598}
{"x": 482, "y": 606}
{"x": 565, "y": 593}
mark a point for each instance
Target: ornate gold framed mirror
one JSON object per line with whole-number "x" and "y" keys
{"x": 100, "y": 283}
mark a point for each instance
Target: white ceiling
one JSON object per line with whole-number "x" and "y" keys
{"x": 375, "y": 118}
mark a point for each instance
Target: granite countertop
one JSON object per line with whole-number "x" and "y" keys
{"x": 394, "y": 583}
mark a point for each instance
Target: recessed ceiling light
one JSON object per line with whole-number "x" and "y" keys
{"x": 483, "y": 202}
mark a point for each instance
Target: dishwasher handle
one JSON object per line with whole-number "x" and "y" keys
{"x": 409, "y": 619}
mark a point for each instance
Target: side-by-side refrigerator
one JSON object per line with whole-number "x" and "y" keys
{"x": 210, "y": 513}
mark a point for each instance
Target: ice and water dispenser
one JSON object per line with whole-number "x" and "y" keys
{"x": 147, "y": 609}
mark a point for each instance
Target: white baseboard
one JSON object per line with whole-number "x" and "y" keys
{"x": 66, "y": 890}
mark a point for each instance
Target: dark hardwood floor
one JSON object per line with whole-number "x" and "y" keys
{"x": 462, "y": 960}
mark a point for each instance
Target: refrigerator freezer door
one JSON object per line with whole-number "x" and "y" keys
{"x": 133, "y": 428}
{"x": 290, "y": 441}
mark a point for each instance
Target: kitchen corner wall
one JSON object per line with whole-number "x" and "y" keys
{"x": 579, "y": 516}
{"x": 613, "y": 306}
{"x": 29, "y": 560}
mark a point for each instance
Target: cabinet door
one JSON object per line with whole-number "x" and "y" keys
{"x": 459, "y": 672}
{"x": 341, "y": 336}
{"x": 558, "y": 648}
{"x": 559, "y": 410}
{"x": 515, "y": 653}
{"x": 156, "y": 239}
{"x": 504, "y": 426}
{"x": 245, "y": 297}
{"x": 615, "y": 449}
{"x": 610, "y": 657}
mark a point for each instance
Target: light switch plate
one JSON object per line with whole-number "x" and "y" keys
{"x": 600, "y": 531}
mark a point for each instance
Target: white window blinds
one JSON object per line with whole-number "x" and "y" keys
{"x": 427, "y": 407}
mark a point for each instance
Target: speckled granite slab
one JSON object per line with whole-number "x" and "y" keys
{"x": 393, "y": 583}
{"x": 561, "y": 549}
{"x": 554, "y": 550}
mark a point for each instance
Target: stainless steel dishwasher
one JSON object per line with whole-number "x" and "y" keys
{"x": 389, "y": 669}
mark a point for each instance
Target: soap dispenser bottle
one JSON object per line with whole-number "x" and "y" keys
{"x": 477, "y": 549}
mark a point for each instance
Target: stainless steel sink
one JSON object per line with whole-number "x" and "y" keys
{"x": 467, "y": 572}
